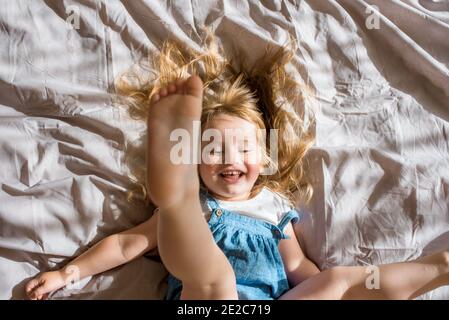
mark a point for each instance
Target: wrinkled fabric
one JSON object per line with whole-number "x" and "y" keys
{"x": 379, "y": 166}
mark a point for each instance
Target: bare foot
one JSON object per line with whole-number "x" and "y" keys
{"x": 175, "y": 106}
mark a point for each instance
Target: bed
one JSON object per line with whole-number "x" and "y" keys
{"x": 379, "y": 167}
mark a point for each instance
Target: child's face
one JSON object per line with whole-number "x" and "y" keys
{"x": 233, "y": 164}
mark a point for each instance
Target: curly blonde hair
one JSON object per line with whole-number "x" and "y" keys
{"x": 264, "y": 94}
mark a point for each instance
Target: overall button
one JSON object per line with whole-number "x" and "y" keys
{"x": 218, "y": 212}
{"x": 277, "y": 233}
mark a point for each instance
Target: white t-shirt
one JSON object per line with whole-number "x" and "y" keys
{"x": 267, "y": 205}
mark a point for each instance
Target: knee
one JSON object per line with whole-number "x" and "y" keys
{"x": 334, "y": 273}
{"x": 338, "y": 276}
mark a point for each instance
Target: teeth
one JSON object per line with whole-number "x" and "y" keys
{"x": 230, "y": 173}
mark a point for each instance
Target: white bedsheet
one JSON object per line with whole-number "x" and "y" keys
{"x": 380, "y": 166}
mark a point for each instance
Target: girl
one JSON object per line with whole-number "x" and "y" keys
{"x": 223, "y": 230}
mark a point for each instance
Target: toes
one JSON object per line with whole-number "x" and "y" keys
{"x": 171, "y": 88}
{"x": 163, "y": 92}
{"x": 194, "y": 86}
{"x": 179, "y": 83}
{"x": 156, "y": 97}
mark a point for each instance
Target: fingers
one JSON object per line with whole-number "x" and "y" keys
{"x": 31, "y": 285}
{"x": 42, "y": 297}
{"x": 36, "y": 290}
{"x": 38, "y": 294}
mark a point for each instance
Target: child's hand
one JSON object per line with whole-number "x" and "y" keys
{"x": 39, "y": 287}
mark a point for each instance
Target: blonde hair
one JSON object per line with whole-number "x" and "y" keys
{"x": 264, "y": 94}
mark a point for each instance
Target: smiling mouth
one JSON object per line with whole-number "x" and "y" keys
{"x": 231, "y": 176}
{"x": 229, "y": 173}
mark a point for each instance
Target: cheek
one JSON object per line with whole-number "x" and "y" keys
{"x": 253, "y": 172}
{"x": 206, "y": 172}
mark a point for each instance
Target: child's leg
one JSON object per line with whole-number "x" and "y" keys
{"x": 186, "y": 245}
{"x": 406, "y": 280}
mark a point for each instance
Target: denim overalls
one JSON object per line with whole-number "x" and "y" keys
{"x": 251, "y": 246}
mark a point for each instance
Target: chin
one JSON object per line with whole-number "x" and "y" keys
{"x": 232, "y": 193}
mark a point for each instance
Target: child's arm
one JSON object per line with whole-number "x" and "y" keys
{"x": 297, "y": 266}
{"x": 109, "y": 253}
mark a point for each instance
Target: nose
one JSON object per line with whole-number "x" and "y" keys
{"x": 233, "y": 156}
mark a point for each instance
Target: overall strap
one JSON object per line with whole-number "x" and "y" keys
{"x": 211, "y": 202}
